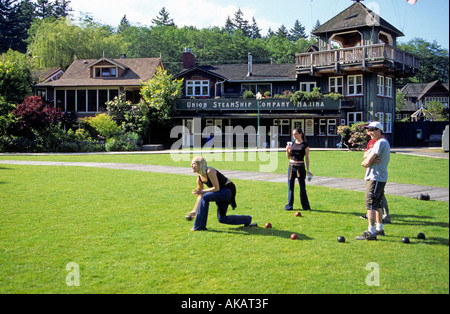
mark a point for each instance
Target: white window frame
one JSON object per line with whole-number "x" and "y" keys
{"x": 389, "y": 82}
{"x": 307, "y": 86}
{"x": 283, "y": 122}
{"x": 352, "y": 117}
{"x": 380, "y": 85}
{"x": 332, "y": 122}
{"x": 194, "y": 84}
{"x": 355, "y": 85}
{"x": 388, "y": 123}
{"x": 336, "y": 87}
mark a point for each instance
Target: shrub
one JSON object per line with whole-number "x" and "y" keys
{"x": 354, "y": 137}
{"x": 248, "y": 94}
{"x": 33, "y": 115}
{"x": 104, "y": 125}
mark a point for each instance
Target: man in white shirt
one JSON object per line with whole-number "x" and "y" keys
{"x": 376, "y": 178}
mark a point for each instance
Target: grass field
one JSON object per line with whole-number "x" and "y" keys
{"x": 126, "y": 231}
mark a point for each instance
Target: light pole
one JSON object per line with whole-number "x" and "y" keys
{"x": 258, "y": 98}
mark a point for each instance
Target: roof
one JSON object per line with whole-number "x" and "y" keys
{"x": 42, "y": 75}
{"x": 356, "y": 16}
{"x": 136, "y": 70}
{"x": 238, "y": 72}
{"x": 420, "y": 90}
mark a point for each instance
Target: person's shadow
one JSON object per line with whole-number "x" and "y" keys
{"x": 271, "y": 232}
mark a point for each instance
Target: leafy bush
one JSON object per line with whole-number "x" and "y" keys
{"x": 124, "y": 142}
{"x": 104, "y": 125}
{"x": 354, "y": 137}
{"x": 248, "y": 94}
{"x": 33, "y": 115}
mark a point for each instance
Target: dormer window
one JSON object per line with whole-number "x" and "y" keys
{"x": 105, "y": 72}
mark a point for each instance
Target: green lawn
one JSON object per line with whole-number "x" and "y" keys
{"x": 402, "y": 168}
{"x": 126, "y": 231}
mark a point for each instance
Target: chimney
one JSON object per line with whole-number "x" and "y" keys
{"x": 123, "y": 56}
{"x": 188, "y": 59}
{"x": 250, "y": 64}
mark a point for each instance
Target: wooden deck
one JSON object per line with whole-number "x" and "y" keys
{"x": 362, "y": 57}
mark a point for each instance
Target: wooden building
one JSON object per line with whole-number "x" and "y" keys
{"x": 355, "y": 56}
{"x": 88, "y": 84}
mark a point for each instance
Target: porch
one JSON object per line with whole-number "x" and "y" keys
{"x": 365, "y": 58}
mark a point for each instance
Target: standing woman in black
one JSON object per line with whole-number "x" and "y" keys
{"x": 298, "y": 155}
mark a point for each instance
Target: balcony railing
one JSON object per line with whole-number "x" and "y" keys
{"x": 362, "y": 56}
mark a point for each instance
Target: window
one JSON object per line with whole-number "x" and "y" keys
{"x": 81, "y": 101}
{"x": 380, "y": 116}
{"x": 322, "y": 127}
{"x": 327, "y": 127}
{"x": 354, "y": 117}
{"x": 105, "y": 72}
{"x": 336, "y": 85}
{"x": 389, "y": 87}
{"x": 102, "y": 99}
{"x": 70, "y": 103}
{"x": 197, "y": 88}
{"x": 380, "y": 85}
{"x": 354, "y": 85}
{"x": 332, "y": 128}
{"x": 307, "y": 86}
{"x": 255, "y": 88}
{"x": 388, "y": 124}
{"x": 92, "y": 100}
{"x": 284, "y": 126}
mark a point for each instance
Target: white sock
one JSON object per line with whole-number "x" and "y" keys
{"x": 372, "y": 229}
{"x": 379, "y": 227}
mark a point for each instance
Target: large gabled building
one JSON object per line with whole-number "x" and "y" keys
{"x": 355, "y": 56}
{"x": 88, "y": 84}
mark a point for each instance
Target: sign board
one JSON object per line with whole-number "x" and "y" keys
{"x": 252, "y": 104}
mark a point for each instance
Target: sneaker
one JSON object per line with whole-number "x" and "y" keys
{"x": 251, "y": 225}
{"x": 363, "y": 216}
{"x": 379, "y": 233}
{"x": 367, "y": 236}
{"x": 387, "y": 220}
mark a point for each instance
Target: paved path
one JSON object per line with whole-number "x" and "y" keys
{"x": 407, "y": 190}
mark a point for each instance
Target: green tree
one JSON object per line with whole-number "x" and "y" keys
{"x": 163, "y": 19}
{"x": 56, "y": 43}
{"x": 160, "y": 94}
{"x": 15, "y": 77}
{"x": 297, "y": 32}
{"x": 434, "y": 61}
{"x": 435, "y": 111}
{"x": 124, "y": 24}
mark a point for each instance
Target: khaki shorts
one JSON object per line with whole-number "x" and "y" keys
{"x": 374, "y": 194}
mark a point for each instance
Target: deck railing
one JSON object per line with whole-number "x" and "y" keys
{"x": 354, "y": 55}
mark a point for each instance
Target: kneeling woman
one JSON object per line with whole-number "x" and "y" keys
{"x": 220, "y": 190}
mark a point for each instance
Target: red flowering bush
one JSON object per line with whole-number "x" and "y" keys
{"x": 34, "y": 114}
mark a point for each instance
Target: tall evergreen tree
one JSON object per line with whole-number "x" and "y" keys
{"x": 44, "y": 9}
{"x": 163, "y": 19}
{"x": 240, "y": 23}
{"x": 124, "y": 24}
{"x": 297, "y": 32}
{"x": 229, "y": 26}
{"x": 255, "y": 30}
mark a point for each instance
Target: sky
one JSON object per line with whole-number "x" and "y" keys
{"x": 427, "y": 19}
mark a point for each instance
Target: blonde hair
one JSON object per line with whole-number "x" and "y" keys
{"x": 202, "y": 165}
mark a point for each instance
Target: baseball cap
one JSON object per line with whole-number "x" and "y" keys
{"x": 375, "y": 124}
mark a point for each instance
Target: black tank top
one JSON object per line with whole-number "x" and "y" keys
{"x": 220, "y": 177}
{"x": 298, "y": 151}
